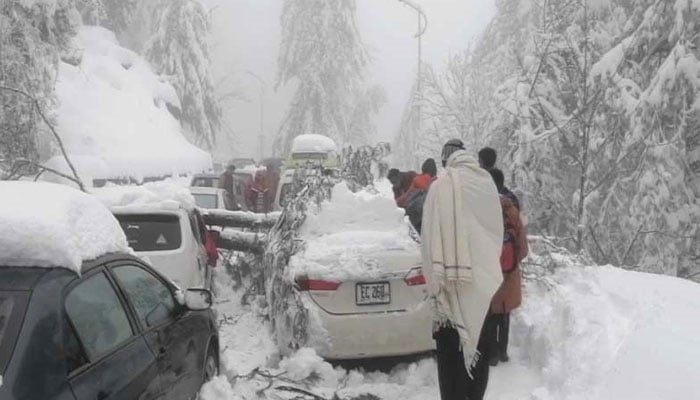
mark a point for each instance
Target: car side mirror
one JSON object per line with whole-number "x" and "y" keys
{"x": 198, "y": 299}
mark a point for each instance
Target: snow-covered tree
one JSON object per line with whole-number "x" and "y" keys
{"x": 323, "y": 54}
{"x": 32, "y": 36}
{"x": 593, "y": 108}
{"x": 178, "y": 49}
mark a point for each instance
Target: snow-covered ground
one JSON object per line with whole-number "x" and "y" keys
{"x": 582, "y": 333}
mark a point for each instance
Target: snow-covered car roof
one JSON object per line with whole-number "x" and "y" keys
{"x": 313, "y": 144}
{"x": 49, "y": 225}
{"x": 151, "y": 197}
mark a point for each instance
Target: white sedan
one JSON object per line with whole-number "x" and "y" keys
{"x": 384, "y": 315}
{"x": 359, "y": 277}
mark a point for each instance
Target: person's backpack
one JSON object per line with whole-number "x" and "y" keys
{"x": 515, "y": 233}
{"x": 515, "y": 249}
{"x": 414, "y": 208}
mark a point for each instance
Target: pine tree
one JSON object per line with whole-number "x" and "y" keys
{"x": 322, "y": 52}
{"x": 178, "y": 49}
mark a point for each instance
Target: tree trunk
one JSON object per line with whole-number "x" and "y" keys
{"x": 240, "y": 219}
{"x": 246, "y": 242}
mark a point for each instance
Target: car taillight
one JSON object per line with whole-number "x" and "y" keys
{"x": 415, "y": 277}
{"x": 305, "y": 284}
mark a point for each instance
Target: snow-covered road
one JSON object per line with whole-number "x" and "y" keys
{"x": 583, "y": 333}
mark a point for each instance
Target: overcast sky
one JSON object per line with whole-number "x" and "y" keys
{"x": 245, "y": 41}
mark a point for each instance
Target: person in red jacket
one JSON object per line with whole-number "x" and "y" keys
{"x": 258, "y": 195}
{"x": 509, "y": 294}
{"x": 420, "y": 182}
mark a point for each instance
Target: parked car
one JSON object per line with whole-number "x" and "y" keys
{"x": 373, "y": 317}
{"x": 82, "y": 319}
{"x": 205, "y": 180}
{"x": 360, "y": 282}
{"x": 115, "y": 332}
{"x": 211, "y": 198}
{"x": 172, "y": 240}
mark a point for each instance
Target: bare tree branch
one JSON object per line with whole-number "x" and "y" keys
{"x": 53, "y": 131}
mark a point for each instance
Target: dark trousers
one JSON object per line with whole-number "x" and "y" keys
{"x": 499, "y": 328}
{"x": 455, "y": 382}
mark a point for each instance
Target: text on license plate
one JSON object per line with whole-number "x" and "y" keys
{"x": 372, "y": 293}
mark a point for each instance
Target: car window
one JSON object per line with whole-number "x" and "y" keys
{"x": 205, "y": 182}
{"x": 74, "y": 354}
{"x": 205, "y": 200}
{"x": 12, "y": 308}
{"x": 151, "y": 232}
{"x": 151, "y": 298}
{"x": 98, "y": 316}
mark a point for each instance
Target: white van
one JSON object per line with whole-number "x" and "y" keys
{"x": 171, "y": 240}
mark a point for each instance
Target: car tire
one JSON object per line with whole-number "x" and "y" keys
{"x": 211, "y": 363}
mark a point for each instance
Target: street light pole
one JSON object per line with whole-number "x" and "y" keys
{"x": 261, "y": 137}
{"x": 422, "y": 27}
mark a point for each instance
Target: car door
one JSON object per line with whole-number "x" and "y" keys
{"x": 110, "y": 360}
{"x": 177, "y": 337}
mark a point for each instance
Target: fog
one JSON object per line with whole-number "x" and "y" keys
{"x": 245, "y": 40}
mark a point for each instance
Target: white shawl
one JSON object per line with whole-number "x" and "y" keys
{"x": 462, "y": 237}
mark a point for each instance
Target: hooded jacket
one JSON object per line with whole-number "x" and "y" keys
{"x": 462, "y": 235}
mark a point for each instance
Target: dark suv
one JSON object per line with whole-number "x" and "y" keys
{"x": 118, "y": 331}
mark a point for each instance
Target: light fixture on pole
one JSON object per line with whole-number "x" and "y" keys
{"x": 422, "y": 27}
{"x": 261, "y": 137}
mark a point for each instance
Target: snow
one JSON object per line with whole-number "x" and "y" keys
{"x": 113, "y": 115}
{"x": 150, "y": 196}
{"x": 48, "y": 225}
{"x": 583, "y": 333}
{"x": 341, "y": 237}
{"x": 313, "y": 144}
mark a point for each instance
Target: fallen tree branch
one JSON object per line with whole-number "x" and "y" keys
{"x": 240, "y": 219}
{"x": 36, "y": 104}
{"x": 304, "y": 392}
{"x": 246, "y": 242}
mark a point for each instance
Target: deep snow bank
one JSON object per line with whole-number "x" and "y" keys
{"x": 583, "y": 333}
{"x": 113, "y": 115}
{"x": 341, "y": 236}
{"x": 604, "y": 333}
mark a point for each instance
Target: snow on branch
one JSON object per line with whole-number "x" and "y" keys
{"x": 240, "y": 219}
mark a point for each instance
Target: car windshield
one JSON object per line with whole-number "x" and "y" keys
{"x": 152, "y": 232}
{"x": 12, "y": 307}
{"x": 205, "y": 181}
{"x": 205, "y": 200}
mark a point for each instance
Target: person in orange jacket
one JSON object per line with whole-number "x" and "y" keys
{"x": 420, "y": 182}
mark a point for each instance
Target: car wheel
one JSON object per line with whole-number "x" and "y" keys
{"x": 211, "y": 364}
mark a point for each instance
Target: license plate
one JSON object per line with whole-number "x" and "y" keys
{"x": 372, "y": 293}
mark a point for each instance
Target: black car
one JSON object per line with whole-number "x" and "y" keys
{"x": 117, "y": 331}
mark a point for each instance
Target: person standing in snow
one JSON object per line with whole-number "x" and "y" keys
{"x": 515, "y": 249}
{"x": 400, "y": 181}
{"x": 487, "y": 158}
{"x": 412, "y": 201}
{"x": 226, "y": 182}
{"x": 461, "y": 245}
{"x": 258, "y": 197}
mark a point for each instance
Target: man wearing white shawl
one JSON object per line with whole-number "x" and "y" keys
{"x": 461, "y": 244}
